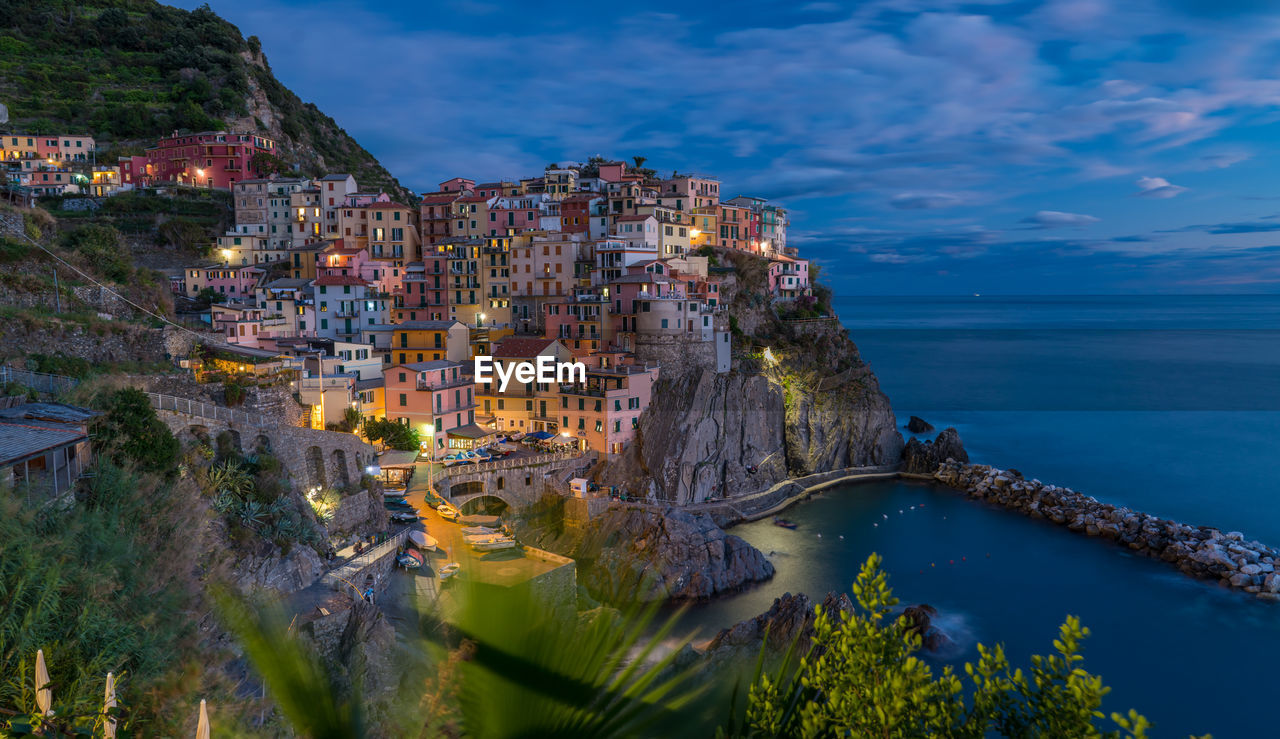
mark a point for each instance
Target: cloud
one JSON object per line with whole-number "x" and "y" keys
{"x": 923, "y": 200}
{"x": 1158, "y": 187}
{"x": 1240, "y": 227}
{"x": 1059, "y": 219}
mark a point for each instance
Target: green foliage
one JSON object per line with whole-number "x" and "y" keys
{"x": 99, "y": 587}
{"x": 130, "y": 432}
{"x": 102, "y": 249}
{"x": 521, "y": 670}
{"x": 209, "y": 296}
{"x": 136, "y": 70}
{"x": 235, "y": 392}
{"x": 249, "y": 493}
{"x": 59, "y": 364}
{"x": 861, "y": 678}
{"x": 13, "y": 250}
{"x": 392, "y": 433}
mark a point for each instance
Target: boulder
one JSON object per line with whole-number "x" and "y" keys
{"x": 918, "y": 425}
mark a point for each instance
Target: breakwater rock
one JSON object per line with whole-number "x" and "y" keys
{"x": 1200, "y": 551}
{"x": 650, "y": 554}
{"x": 923, "y": 457}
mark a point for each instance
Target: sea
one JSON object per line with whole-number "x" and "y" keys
{"x": 1166, "y": 404}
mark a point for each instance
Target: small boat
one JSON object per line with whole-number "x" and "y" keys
{"x": 478, "y": 531}
{"x": 448, "y": 570}
{"x": 447, "y": 512}
{"x": 486, "y": 536}
{"x": 401, "y": 505}
{"x": 393, "y": 492}
{"x": 404, "y": 516}
{"x": 410, "y": 560}
{"x": 421, "y": 540}
{"x": 784, "y": 523}
{"x": 495, "y": 545}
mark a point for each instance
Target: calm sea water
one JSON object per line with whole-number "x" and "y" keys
{"x": 1170, "y": 405}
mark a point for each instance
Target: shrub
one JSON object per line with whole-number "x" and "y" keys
{"x": 102, "y": 250}
{"x": 130, "y": 432}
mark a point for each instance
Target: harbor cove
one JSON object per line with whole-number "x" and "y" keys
{"x": 1188, "y": 648}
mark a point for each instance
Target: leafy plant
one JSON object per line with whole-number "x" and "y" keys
{"x": 861, "y": 678}
{"x": 130, "y": 432}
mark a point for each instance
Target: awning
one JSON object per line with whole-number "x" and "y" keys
{"x": 471, "y": 431}
{"x": 397, "y": 458}
{"x": 539, "y": 435}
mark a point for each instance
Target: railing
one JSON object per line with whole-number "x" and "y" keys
{"x": 39, "y": 381}
{"x": 197, "y": 409}
{"x": 508, "y": 464}
{"x": 375, "y": 552}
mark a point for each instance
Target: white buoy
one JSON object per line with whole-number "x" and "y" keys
{"x": 842, "y": 536}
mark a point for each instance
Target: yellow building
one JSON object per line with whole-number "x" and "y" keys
{"x": 705, "y": 226}
{"x": 495, "y": 282}
{"x": 393, "y": 233}
{"x": 429, "y": 341}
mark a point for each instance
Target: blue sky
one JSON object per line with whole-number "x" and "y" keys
{"x": 923, "y": 147}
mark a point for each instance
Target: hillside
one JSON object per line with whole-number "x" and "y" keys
{"x": 130, "y": 71}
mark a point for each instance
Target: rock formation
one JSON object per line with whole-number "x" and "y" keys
{"x": 645, "y": 554}
{"x": 1199, "y": 551}
{"x": 918, "y": 425}
{"x": 922, "y": 458}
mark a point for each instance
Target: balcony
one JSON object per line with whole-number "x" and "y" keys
{"x": 436, "y": 384}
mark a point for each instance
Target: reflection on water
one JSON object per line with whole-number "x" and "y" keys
{"x": 1164, "y": 642}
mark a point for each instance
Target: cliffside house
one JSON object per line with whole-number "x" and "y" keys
{"x": 44, "y": 446}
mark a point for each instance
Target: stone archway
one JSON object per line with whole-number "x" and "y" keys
{"x": 489, "y": 505}
{"x": 315, "y": 466}
{"x": 341, "y": 475}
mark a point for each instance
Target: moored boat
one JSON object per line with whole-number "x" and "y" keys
{"x": 784, "y": 523}
{"x": 448, "y": 570}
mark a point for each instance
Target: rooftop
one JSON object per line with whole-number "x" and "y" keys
{"x": 522, "y": 347}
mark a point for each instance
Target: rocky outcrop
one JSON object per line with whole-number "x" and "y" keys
{"x": 1200, "y": 551}
{"x": 923, "y": 457}
{"x": 919, "y": 620}
{"x": 270, "y": 568}
{"x": 711, "y": 434}
{"x": 918, "y": 425}
{"x": 788, "y": 619}
{"x": 632, "y": 553}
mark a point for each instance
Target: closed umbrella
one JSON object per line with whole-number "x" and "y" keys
{"x": 109, "y": 727}
{"x": 44, "y": 696}
{"x": 202, "y": 727}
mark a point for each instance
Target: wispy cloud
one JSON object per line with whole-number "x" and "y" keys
{"x": 1059, "y": 219}
{"x": 1158, "y": 187}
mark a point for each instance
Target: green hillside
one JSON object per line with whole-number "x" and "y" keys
{"x": 131, "y": 71}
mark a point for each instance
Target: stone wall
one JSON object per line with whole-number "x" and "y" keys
{"x": 312, "y": 457}
{"x": 117, "y": 343}
{"x": 676, "y": 355}
{"x": 360, "y": 514}
{"x": 556, "y": 589}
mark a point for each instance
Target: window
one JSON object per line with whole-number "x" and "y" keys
{"x": 404, "y": 400}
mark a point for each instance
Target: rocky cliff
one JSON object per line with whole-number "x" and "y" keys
{"x": 798, "y": 400}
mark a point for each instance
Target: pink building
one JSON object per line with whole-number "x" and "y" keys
{"x": 788, "y": 277}
{"x": 513, "y": 215}
{"x": 605, "y": 412}
{"x": 436, "y": 398}
{"x": 208, "y": 159}
{"x": 236, "y": 283}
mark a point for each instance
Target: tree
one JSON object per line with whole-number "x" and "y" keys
{"x": 208, "y": 296}
{"x": 391, "y": 433}
{"x": 130, "y": 431}
{"x": 639, "y": 161}
{"x": 861, "y": 678}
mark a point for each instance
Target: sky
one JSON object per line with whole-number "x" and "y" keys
{"x": 920, "y": 146}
